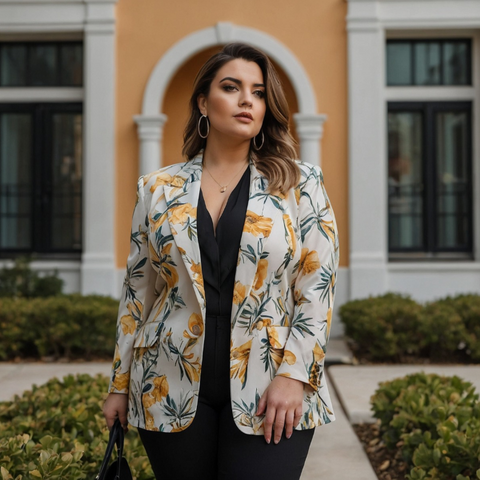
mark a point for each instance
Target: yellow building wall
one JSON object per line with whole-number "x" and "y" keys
{"x": 313, "y": 30}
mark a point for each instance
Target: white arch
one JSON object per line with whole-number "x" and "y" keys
{"x": 150, "y": 122}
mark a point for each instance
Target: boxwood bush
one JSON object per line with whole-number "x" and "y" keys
{"x": 395, "y": 328}
{"x": 435, "y": 421}
{"x": 57, "y": 431}
{"x": 72, "y": 326}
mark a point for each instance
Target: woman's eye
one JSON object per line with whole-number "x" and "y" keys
{"x": 229, "y": 88}
{"x": 259, "y": 93}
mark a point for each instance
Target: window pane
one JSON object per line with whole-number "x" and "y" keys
{"x": 67, "y": 182}
{"x": 427, "y": 63}
{"x": 452, "y": 180}
{"x": 15, "y": 181}
{"x": 71, "y": 56}
{"x": 405, "y": 180}
{"x": 455, "y": 63}
{"x": 399, "y": 63}
{"x": 43, "y": 65}
{"x": 13, "y": 65}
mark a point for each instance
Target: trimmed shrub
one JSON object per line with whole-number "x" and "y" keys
{"x": 435, "y": 421}
{"x": 69, "y": 326}
{"x": 395, "y": 328}
{"x": 57, "y": 431}
{"x": 21, "y": 281}
{"x": 385, "y": 327}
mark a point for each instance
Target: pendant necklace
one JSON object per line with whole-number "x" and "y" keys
{"x": 223, "y": 188}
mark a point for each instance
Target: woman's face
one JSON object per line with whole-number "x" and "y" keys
{"x": 235, "y": 104}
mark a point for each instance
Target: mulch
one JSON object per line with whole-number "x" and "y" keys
{"x": 388, "y": 464}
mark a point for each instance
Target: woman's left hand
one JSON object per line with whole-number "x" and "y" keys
{"x": 282, "y": 401}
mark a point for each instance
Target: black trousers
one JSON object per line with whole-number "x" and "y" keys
{"x": 212, "y": 447}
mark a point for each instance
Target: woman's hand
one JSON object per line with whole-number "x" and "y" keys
{"x": 282, "y": 401}
{"x": 116, "y": 406}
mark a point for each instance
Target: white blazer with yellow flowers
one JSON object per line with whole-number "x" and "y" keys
{"x": 281, "y": 312}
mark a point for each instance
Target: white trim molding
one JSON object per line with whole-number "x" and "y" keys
{"x": 369, "y": 24}
{"x": 94, "y": 22}
{"x": 308, "y": 122}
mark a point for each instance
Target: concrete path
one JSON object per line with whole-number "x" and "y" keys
{"x": 356, "y": 384}
{"x": 17, "y": 377}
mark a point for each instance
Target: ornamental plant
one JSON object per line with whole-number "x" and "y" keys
{"x": 435, "y": 421}
{"x": 57, "y": 431}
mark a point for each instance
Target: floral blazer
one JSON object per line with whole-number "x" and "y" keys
{"x": 281, "y": 312}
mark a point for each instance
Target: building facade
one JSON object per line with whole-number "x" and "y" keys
{"x": 383, "y": 95}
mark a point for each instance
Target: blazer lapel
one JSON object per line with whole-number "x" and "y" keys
{"x": 181, "y": 196}
{"x": 257, "y": 227}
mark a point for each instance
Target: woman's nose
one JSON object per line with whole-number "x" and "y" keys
{"x": 245, "y": 99}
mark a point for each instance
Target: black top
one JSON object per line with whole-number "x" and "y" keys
{"x": 220, "y": 253}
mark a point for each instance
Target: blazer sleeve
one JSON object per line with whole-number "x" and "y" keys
{"x": 137, "y": 290}
{"x": 314, "y": 287}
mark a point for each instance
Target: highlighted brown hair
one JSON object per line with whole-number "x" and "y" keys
{"x": 276, "y": 159}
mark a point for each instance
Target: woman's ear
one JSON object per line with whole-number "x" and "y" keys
{"x": 202, "y": 104}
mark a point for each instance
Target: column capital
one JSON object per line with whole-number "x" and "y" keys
{"x": 309, "y": 126}
{"x": 150, "y": 127}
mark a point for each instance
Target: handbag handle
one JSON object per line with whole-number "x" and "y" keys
{"x": 116, "y": 437}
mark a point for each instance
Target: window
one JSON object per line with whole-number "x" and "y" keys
{"x": 430, "y": 178}
{"x": 429, "y": 62}
{"x": 41, "y": 153}
{"x": 45, "y": 64}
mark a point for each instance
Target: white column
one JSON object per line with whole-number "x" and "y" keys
{"x": 98, "y": 259}
{"x": 367, "y": 153}
{"x": 150, "y": 134}
{"x": 310, "y": 131}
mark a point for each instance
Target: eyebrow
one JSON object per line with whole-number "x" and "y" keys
{"x": 239, "y": 82}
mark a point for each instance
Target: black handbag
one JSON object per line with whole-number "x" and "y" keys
{"x": 119, "y": 469}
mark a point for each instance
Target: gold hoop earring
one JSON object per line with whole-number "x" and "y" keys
{"x": 208, "y": 126}
{"x": 255, "y": 143}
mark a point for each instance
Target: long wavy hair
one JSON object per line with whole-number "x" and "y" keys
{"x": 276, "y": 159}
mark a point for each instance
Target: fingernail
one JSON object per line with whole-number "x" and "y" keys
{"x": 267, "y": 440}
{"x": 276, "y": 440}
{"x": 288, "y": 436}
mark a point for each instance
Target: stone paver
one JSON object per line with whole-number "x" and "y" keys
{"x": 356, "y": 384}
{"x": 336, "y": 453}
{"x": 18, "y": 377}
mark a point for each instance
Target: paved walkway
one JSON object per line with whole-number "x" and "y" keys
{"x": 335, "y": 453}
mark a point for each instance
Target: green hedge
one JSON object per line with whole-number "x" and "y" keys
{"x": 69, "y": 326}
{"x": 393, "y": 327}
{"x": 435, "y": 421}
{"x": 57, "y": 431}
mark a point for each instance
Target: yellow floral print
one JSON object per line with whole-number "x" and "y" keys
{"x": 239, "y": 356}
{"x": 289, "y": 357}
{"x": 238, "y": 293}
{"x": 121, "y": 381}
{"x": 291, "y": 238}
{"x": 181, "y": 213}
{"x": 261, "y": 273}
{"x": 257, "y": 224}
{"x": 128, "y": 325}
{"x": 196, "y": 268}
{"x": 309, "y": 261}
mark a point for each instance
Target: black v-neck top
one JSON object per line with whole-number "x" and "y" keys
{"x": 219, "y": 252}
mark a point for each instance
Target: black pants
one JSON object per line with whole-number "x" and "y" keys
{"x": 212, "y": 447}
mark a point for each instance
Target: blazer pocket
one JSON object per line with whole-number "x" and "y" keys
{"x": 147, "y": 336}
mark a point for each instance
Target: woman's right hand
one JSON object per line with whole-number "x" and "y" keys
{"x": 116, "y": 406}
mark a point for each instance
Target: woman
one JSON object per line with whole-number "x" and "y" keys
{"x": 228, "y": 297}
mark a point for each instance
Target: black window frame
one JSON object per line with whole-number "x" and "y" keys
{"x": 429, "y": 155}
{"x": 441, "y": 41}
{"x": 41, "y": 171}
{"x": 58, "y": 74}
